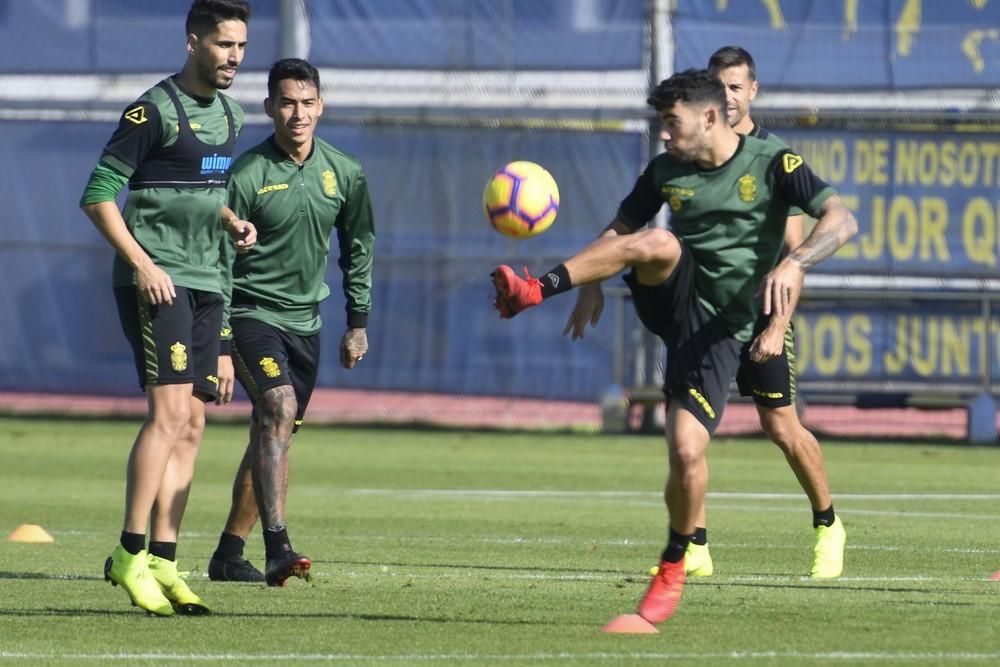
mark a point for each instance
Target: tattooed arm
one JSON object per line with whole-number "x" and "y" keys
{"x": 781, "y": 288}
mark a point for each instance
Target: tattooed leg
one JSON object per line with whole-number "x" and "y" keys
{"x": 276, "y": 417}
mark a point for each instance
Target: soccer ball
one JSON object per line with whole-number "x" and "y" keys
{"x": 521, "y": 200}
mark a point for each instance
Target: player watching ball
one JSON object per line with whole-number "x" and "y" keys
{"x": 705, "y": 287}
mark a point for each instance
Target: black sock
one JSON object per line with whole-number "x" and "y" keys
{"x": 230, "y": 546}
{"x": 276, "y": 542}
{"x": 700, "y": 536}
{"x": 164, "y": 550}
{"x": 555, "y": 282}
{"x": 676, "y": 546}
{"x": 133, "y": 542}
{"x": 823, "y": 518}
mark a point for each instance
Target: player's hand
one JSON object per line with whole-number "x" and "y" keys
{"x": 769, "y": 344}
{"x": 353, "y": 347}
{"x": 243, "y": 233}
{"x": 226, "y": 378}
{"x": 155, "y": 285}
{"x": 781, "y": 288}
{"x": 589, "y": 306}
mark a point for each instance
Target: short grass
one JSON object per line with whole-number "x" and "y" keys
{"x": 455, "y": 548}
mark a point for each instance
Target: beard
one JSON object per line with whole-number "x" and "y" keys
{"x": 210, "y": 75}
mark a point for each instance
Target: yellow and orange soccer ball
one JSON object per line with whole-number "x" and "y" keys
{"x": 521, "y": 200}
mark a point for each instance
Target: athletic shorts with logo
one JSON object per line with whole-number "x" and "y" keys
{"x": 771, "y": 384}
{"x": 702, "y": 356}
{"x": 174, "y": 343}
{"x": 266, "y": 357}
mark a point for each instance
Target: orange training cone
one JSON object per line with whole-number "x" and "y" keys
{"x": 29, "y": 532}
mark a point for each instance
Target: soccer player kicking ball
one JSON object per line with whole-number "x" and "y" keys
{"x": 298, "y": 190}
{"x": 697, "y": 285}
{"x": 172, "y": 147}
{"x": 771, "y": 383}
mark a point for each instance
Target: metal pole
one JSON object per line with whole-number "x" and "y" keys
{"x": 294, "y": 29}
{"x": 651, "y": 354}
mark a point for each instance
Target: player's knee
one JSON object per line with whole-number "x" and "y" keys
{"x": 782, "y": 430}
{"x": 686, "y": 456}
{"x": 652, "y": 246}
{"x": 276, "y": 408}
{"x": 193, "y": 429}
{"x": 171, "y": 418}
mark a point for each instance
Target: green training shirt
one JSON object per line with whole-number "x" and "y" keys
{"x": 295, "y": 209}
{"x": 731, "y": 219}
{"x": 176, "y": 181}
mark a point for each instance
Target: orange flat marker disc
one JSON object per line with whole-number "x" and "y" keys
{"x": 630, "y": 624}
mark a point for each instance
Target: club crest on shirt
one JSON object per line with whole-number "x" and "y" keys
{"x": 748, "y": 188}
{"x": 178, "y": 357}
{"x": 270, "y": 366}
{"x": 329, "y": 183}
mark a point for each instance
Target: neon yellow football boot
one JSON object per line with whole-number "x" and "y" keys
{"x": 174, "y": 588}
{"x": 131, "y": 572}
{"x": 828, "y": 554}
{"x": 698, "y": 561}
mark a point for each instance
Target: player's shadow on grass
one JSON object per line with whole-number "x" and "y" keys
{"x": 467, "y": 566}
{"x": 70, "y": 613}
{"x": 55, "y": 612}
{"x": 834, "y": 586}
{"x": 51, "y": 577}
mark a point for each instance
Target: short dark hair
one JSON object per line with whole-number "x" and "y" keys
{"x": 732, "y": 56}
{"x": 291, "y": 68}
{"x": 205, "y": 15}
{"x": 691, "y": 85}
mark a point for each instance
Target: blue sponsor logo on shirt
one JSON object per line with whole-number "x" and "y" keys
{"x": 215, "y": 164}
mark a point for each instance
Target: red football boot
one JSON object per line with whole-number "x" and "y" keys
{"x": 514, "y": 294}
{"x": 664, "y": 593}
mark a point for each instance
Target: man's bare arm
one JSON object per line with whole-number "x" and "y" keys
{"x": 835, "y": 226}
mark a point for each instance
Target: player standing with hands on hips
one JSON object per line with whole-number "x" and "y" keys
{"x": 172, "y": 148}
{"x": 696, "y": 286}
{"x": 298, "y": 190}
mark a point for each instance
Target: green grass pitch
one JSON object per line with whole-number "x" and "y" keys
{"x": 458, "y": 548}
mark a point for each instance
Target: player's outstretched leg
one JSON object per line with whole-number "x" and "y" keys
{"x": 664, "y": 592}
{"x": 289, "y": 564}
{"x": 514, "y": 293}
{"x": 828, "y": 554}
{"x": 131, "y": 572}
{"x": 175, "y": 589}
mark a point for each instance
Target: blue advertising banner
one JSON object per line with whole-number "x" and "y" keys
{"x": 927, "y": 202}
{"x": 848, "y": 44}
{"x": 894, "y": 341}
